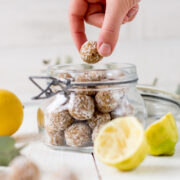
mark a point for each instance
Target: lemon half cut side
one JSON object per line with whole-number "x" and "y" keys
{"x": 121, "y": 143}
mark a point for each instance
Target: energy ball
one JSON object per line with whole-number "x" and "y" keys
{"x": 55, "y": 137}
{"x": 81, "y": 107}
{"x": 104, "y": 87}
{"x": 107, "y": 101}
{"x": 89, "y": 52}
{"x": 91, "y": 76}
{"x": 23, "y": 169}
{"x": 96, "y": 130}
{"x": 78, "y": 134}
{"x": 60, "y": 120}
{"x": 98, "y": 119}
{"x": 3, "y": 176}
{"x": 64, "y": 75}
{"x": 85, "y": 91}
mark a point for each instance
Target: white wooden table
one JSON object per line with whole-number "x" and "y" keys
{"x": 88, "y": 168}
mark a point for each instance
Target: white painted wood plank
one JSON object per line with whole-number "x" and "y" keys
{"x": 156, "y": 168}
{"x": 50, "y": 160}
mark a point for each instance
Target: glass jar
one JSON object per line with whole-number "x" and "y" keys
{"x": 82, "y": 98}
{"x": 159, "y": 102}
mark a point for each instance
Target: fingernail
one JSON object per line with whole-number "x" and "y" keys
{"x": 132, "y": 12}
{"x": 105, "y": 49}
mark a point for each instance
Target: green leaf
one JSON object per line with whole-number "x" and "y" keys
{"x": 6, "y": 143}
{"x": 8, "y": 151}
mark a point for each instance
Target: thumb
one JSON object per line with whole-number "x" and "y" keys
{"x": 114, "y": 15}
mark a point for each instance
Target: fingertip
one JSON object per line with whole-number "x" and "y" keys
{"x": 107, "y": 41}
{"x": 132, "y": 12}
{"x": 105, "y": 49}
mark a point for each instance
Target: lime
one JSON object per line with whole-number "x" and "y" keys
{"x": 162, "y": 136}
{"x": 121, "y": 143}
{"x": 11, "y": 113}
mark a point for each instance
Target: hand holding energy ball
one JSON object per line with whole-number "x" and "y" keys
{"x": 108, "y": 15}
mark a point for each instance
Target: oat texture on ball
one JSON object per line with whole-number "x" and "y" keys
{"x": 89, "y": 76}
{"x": 60, "y": 120}
{"x": 96, "y": 131}
{"x": 98, "y": 119}
{"x": 55, "y": 137}
{"x": 78, "y": 134}
{"x": 64, "y": 76}
{"x": 81, "y": 107}
{"x": 89, "y": 52}
{"x": 106, "y": 101}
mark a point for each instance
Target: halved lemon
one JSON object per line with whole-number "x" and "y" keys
{"x": 121, "y": 143}
{"x": 162, "y": 136}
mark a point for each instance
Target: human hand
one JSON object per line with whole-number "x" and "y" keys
{"x": 108, "y": 15}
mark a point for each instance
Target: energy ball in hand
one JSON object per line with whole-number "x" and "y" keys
{"x": 89, "y": 52}
{"x": 23, "y": 169}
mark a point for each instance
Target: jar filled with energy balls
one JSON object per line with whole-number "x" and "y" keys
{"x": 80, "y": 99}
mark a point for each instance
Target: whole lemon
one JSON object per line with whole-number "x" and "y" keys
{"x": 11, "y": 113}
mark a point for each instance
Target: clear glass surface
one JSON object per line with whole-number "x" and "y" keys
{"x": 159, "y": 102}
{"x": 97, "y": 94}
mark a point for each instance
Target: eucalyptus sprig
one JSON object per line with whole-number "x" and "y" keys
{"x": 8, "y": 151}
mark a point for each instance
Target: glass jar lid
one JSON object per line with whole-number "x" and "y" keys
{"x": 114, "y": 73}
{"x": 67, "y": 78}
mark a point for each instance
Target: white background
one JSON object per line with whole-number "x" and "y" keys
{"x": 31, "y": 30}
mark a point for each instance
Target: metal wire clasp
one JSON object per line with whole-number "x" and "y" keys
{"x": 51, "y": 81}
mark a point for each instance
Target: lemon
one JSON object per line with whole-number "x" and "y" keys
{"x": 11, "y": 113}
{"x": 162, "y": 136}
{"x": 121, "y": 143}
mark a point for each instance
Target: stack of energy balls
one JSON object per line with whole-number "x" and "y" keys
{"x": 78, "y": 121}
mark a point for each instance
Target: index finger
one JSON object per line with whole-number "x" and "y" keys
{"x": 77, "y": 11}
